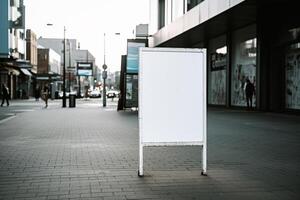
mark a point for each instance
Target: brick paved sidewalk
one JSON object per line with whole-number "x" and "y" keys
{"x": 92, "y": 153}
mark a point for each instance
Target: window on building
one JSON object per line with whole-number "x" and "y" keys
{"x": 244, "y": 52}
{"x": 217, "y": 72}
{"x": 161, "y": 14}
{"x": 192, "y": 3}
{"x": 21, "y": 35}
{"x": 295, "y": 33}
{"x": 12, "y": 3}
{"x": 292, "y": 76}
{"x": 15, "y": 3}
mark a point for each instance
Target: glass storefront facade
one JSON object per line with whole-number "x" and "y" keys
{"x": 217, "y": 68}
{"x": 244, "y": 47}
{"x": 292, "y": 76}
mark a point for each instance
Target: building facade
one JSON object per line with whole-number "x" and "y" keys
{"x": 31, "y": 49}
{"x": 48, "y": 62}
{"x": 12, "y": 46}
{"x": 245, "y": 39}
{"x": 32, "y": 58}
{"x": 73, "y": 56}
{"x": 48, "y": 70}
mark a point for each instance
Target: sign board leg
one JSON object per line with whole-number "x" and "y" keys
{"x": 204, "y": 160}
{"x": 204, "y": 149}
{"x": 141, "y": 171}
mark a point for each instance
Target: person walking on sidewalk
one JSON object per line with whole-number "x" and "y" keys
{"x": 250, "y": 91}
{"x": 5, "y": 95}
{"x": 37, "y": 93}
{"x": 45, "y": 95}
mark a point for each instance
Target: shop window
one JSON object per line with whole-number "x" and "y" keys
{"x": 218, "y": 76}
{"x": 249, "y": 48}
{"x": 292, "y": 75}
{"x": 295, "y": 33}
{"x": 219, "y": 59}
{"x": 243, "y": 65}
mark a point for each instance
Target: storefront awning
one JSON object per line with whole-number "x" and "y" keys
{"x": 42, "y": 78}
{"x": 12, "y": 71}
{"x": 23, "y": 63}
{"x": 33, "y": 71}
{"x": 50, "y": 77}
{"x": 25, "y": 72}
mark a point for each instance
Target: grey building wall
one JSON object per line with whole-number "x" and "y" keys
{"x": 57, "y": 45}
{"x": 76, "y": 55}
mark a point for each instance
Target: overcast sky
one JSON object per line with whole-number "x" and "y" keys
{"x": 87, "y": 20}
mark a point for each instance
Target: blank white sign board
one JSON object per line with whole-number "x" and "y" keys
{"x": 172, "y": 98}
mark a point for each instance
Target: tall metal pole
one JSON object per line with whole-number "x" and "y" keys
{"x": 64, "y": 71}
{"x": 104, "y": 76}
{"x": 70, "y": 65}
{"x": 104, "y": 47}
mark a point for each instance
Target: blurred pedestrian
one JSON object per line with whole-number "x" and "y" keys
{"x": 250, "y": 91}
{"x": 45, "y": 95}
{"x": 37, "y": 93}
{"x": 5, "y": 94}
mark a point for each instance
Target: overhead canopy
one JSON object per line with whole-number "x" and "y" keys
{"x": 23, "y": 63}
{"x": 33, "y": 70}
{"x": 11, "y": 71}
{"x": 239, "y": 16}
{"x": 25, "y": 72}
{"x": 48, "y": 77}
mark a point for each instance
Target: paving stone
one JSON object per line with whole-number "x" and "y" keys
{"x": 90, "y": 153}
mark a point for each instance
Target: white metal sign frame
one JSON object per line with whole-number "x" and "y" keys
{"x": 200, "y": 138}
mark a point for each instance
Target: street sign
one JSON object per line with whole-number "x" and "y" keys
{"x": 84, "y": 68}
{"x": 133, "y": 46}
{"x": 104, "y": 74}
{"x": 71, "y": 69}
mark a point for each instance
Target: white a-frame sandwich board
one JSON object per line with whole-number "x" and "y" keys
{"x": 172, "y": 99}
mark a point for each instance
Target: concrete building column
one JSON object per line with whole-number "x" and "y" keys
{"x": 263, "y": 60}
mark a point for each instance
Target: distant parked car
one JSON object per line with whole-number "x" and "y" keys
{"x": 61, "y": 94}
{"x": 112, "y": 94}
{"x": 95, "y": 93}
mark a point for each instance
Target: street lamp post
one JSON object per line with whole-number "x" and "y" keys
{"x": 104, "y": 76}
{"x": 70, "y": 67}
{"x": 64, "y": 71}
{"x": 64, "y": 67}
